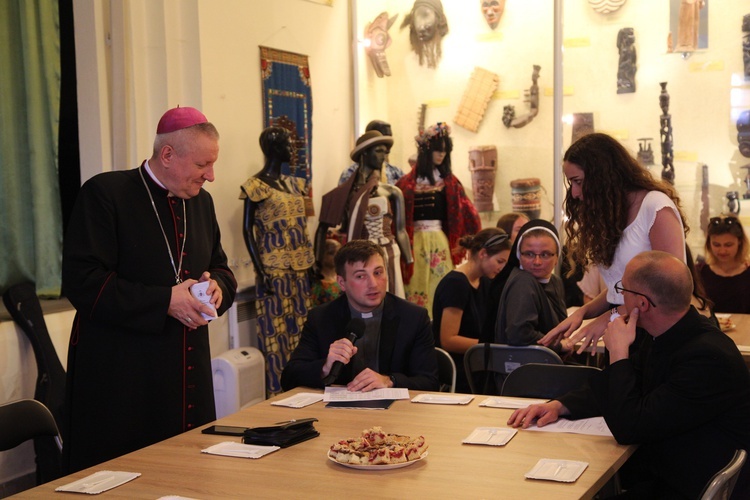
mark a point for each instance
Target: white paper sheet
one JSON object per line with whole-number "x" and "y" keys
{"x": 99, "y": 482}
{"x": 595, "y": 426}
{"x": 342, "y": 394}
{"x": 443, "y": 399}
{"x": 566, "y": 471}
{"x": 240, "y": 450}
{"x": 490, "y": 436}
{"x": 299, "y": 400}
{"x": 513, "y": 403}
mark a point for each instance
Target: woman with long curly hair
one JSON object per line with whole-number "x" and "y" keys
{"x": 614, "y": 209}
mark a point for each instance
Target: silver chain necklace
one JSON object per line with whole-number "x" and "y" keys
{"x": 177, "y": 270}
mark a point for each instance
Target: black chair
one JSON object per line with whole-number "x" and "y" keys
{"x": 26, "y": 419}
{"x": 545, "y": 381}
{"x": 24, "y": 307}
{"x": 487, "y": 365}
{"x": 721, "y": 485}
{"x": 446, "y": 370}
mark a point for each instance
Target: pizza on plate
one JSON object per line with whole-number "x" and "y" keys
{"x": 375, "y": 447}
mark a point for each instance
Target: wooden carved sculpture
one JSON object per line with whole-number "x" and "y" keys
{"x": 645, "y": 153}
{"x": 667, "y": 153}
{"x": 746, "y": 45}
{"x": 427, "y": 27}
{"x": 532, "y": 97}
{"x": 376, "y": 33}
{"x": 627, "y": 65}
{"x": 689, "y": 22}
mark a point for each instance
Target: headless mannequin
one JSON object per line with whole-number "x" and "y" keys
{"x": 277, "y": 149}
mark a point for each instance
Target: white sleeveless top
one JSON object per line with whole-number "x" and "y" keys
{"x": 635, "y": 239}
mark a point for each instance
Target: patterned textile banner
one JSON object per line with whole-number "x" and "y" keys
{"x": 287, "y": 102}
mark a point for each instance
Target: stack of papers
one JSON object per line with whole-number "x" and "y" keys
{"x": 299, "y": 400}
{"x": 342, "y": 394}
{"x": 443, "y": 399}
{"x": 379, "y": 399}
{"x": 232, "y": 449}
{"x": 594, "y": 426}
{"x": 512, "y": 403}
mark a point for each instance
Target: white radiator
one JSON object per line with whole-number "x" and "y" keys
{"x": 239, "y": 379}
{"x": 242, "y": 320}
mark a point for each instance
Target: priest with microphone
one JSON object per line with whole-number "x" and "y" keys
{"x": 367, "y": 338}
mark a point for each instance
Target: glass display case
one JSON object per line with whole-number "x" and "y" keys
{"x": 562, "y": 68}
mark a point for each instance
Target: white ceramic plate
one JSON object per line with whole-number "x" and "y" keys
{"x": 380, "y": 467}
{"x": 566, "y": 471}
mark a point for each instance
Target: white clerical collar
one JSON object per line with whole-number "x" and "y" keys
{"x": 153, "y": 177}
{"x": 375, "y": 313}
{"x": 543, "y": 280}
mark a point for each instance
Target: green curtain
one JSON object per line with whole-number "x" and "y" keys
{"x": 30, "y": 219}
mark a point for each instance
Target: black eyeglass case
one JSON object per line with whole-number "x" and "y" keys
{"x": 284, "y": 434}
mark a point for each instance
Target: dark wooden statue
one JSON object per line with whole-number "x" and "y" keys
{"x": 627, "y": 65}
{"x": 667, "y": 152}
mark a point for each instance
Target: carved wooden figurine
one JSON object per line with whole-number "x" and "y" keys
{"x": 427, "y": 27}
{"x": 379, "y": 40}
{"x": 627, "y": 64}
{"x": 667, "y": 153}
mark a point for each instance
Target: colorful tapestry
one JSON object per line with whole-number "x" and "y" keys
{"x": 287, "y": 102}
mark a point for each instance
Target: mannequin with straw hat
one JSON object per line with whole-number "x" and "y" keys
{"x": 363, "y": 207}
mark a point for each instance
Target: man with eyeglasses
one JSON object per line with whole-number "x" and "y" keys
{"x": 683, "y": 396}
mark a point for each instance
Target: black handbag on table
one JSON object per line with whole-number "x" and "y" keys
{"x": 283, "y": 435}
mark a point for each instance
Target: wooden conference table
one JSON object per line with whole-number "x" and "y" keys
{"x": 451, "y": 469}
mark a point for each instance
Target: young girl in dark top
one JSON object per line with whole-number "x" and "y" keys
{"x": 461, "y": 298}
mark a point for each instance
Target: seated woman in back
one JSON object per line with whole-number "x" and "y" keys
{"x": 460, "y": 303}
{"x": 725, "y": 274}
{"x": 533, "y": 299}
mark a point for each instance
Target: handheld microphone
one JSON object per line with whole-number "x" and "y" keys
{"x": 356, "y": 328}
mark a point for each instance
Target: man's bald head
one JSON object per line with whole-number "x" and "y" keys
{"x": 663, "y": 277}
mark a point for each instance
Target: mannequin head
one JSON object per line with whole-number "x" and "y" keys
{"x": 276, "y": 144}
{"x": 434, "y": 145}
{"x": 492, "y": 10}
{"x": 371, "y": 149}
{"x": 374, "y": 156}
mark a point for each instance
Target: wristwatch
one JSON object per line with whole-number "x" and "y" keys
{"x": 393, "y": 380}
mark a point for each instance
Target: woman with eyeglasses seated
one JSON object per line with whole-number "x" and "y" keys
{"x": 461, "y": 299}
{"x": 725, "y": 274}
{"x": 533, "y": 299}
{"x": 615, "y": 209}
